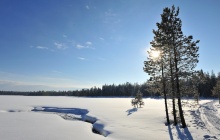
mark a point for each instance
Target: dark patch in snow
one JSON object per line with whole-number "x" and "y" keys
{"x": 75, "y": 114}
{"x": 184, "y": 133}
{"x": 70, "y": 117}
{"x": 13, "y": 111}
{"x": 89, "y": 119}
{"x": 130, "y": 111}
{"x": 75, "y": 111}
{"x": 170, "y": 132}
{"x": 197, "y": 119}
{"x": 95, "y": 131}
{"x": 99, "y": 129}
{"x": 207, "y": 137}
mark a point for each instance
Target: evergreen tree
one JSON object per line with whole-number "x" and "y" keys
{"x": 198, "y": 80}
{"x": 218, "y": 77}
{"x": 155, "y": 66}
{"x": 216, "y": 90}
{"x": 137, "y": 100}
{"x": 179, "y": 53}
{"x": 213, "y": 79}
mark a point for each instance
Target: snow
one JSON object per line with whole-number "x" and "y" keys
{"x": 210, "y": 115}
{"x": 67, "y": 118}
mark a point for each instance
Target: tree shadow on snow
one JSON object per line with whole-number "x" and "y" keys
{"x": 130, "y": 111}
{"x": 75, "y": 111}
{"x": 170, "y": 132}
{"x": 184, "y": 133}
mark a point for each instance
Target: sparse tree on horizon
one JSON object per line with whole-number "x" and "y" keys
{"x": 137, "y": 100}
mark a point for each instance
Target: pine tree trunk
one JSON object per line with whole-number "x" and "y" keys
{"x": 219, "y": 98}
{"x": 174, "y": 106}
{"x": 178, "y": 91}
{"x": 165, "y": 96}
{"x": 173, "y": 94}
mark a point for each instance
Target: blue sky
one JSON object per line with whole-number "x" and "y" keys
{"x": 73, "y": 44}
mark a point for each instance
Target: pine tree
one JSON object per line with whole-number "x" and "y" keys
{"x": 179, "y": 54}
{"x": 197, "y": 80}
{"x": 156, "y": 68}
{"x": 216, "y": 90}
{"x": 137, "y": 100}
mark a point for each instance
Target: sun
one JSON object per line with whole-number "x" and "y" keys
{"x": 155, "y": 54}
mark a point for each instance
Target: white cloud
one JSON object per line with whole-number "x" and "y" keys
{"x": 81, "y": 58}
{"x": 60, "y": 46}
{"x": 64, "y": 36}
{"x": 111, "y": 17}
{"x": 78, "y": 46}
{"x": 87, "y": 7}
{"x": 88, "y": 43}
{"x": 42, "y": 47}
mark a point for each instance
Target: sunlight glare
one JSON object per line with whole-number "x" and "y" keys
{"x": 155, "y": 54}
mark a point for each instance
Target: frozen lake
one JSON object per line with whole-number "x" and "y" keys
{"x": 39, "y": 118}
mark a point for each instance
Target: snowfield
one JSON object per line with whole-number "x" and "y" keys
{"x": 68, "y": 118}
{"x": 210, "y": 115}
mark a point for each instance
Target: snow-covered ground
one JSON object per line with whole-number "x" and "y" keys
{"x": 68, "y": 118}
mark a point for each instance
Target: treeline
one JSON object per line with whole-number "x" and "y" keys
{"x": 206, "y": 83}
{"x": 201, "y": 85}
{"x": 126, "y": 89}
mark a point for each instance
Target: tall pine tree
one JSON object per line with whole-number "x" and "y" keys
{"x": 180, "y": 53}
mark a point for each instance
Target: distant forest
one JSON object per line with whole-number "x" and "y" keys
{"x": 203, "y": 87}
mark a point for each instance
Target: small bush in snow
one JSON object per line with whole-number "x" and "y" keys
{"x": 137, "y": 100}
